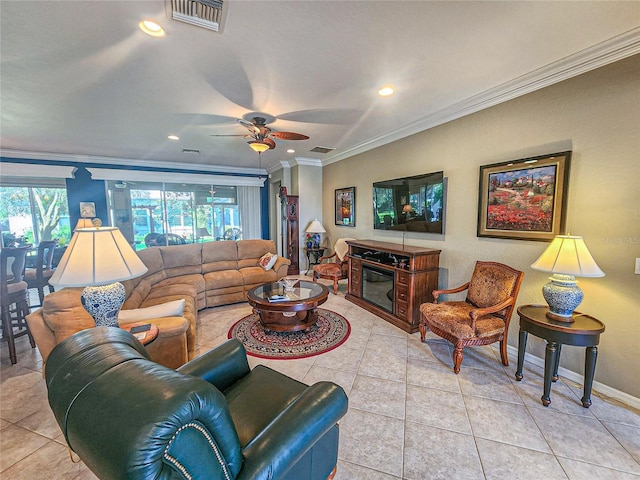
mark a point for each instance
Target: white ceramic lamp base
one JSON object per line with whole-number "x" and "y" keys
{"x": 104, "y": 303}
{"x": 563, "y": 295}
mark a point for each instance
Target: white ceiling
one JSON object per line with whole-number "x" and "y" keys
{"x": 80, "y": 79}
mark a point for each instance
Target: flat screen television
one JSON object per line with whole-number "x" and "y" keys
{"x": 410, "y": 204}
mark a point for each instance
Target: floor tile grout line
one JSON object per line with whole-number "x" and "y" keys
{"x": 619, "y": 442}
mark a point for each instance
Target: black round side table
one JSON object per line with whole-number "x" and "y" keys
{"x": 583, "y": 331}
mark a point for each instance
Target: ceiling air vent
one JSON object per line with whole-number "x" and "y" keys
{"x": 202, "y": 13}
{"x": 321, "y": 149}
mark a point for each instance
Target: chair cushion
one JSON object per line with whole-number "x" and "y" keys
{"x": 256, "y": 399}
{"x": 453, "y": 318}
{"x": 16, "y": 287}
{"x": 31, "y": 274}
{"x": 490, "y": 285}
{"x": 328, "y": 269}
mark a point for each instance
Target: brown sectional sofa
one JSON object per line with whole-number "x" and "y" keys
{"x": 204, "y": 274}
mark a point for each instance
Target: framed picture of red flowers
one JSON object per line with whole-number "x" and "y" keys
{"x": 524, "y": 199}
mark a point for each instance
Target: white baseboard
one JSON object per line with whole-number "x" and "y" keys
{"x": 577, "y": 378}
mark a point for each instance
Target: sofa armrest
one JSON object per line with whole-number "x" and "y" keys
{"x": 43, "y": 335}
{"x": 292, "y": 433}
{"x": 281, "y": 267}
{"x": 221, "y": 366}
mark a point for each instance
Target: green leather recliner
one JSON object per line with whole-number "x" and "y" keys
{"x": 213, "y": 418}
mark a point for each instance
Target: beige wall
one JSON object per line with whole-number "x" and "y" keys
{"x": 310, "y": 192}
{"x": 597, "y": 116}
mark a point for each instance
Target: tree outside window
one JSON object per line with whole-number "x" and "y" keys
{"x": 34, "y": 214}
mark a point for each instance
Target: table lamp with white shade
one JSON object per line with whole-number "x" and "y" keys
{"x": 316, "y": 229}
{"x": 566, "y": 257}
{"x": 98, "y": 258}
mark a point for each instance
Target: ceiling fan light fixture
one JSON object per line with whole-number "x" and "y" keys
{"x": 258, "y": 146}
{"x": 386, "y": 91}
{"x": 151, "y": 28}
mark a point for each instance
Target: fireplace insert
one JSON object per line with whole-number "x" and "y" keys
{"x": 377, "y": 286}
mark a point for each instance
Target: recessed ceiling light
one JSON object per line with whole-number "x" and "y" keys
{"x": 151, "y": 28}
{"x": 386, "y": 91}
{"x": 173, "y": 137}
{"x": 291, "y": 150}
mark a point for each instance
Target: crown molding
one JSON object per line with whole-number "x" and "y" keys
{"x": 312, "y": 162}
{"x": 604, "y": 53}
{"x": 10, "y": 169}
{"x": 124, "y": 163}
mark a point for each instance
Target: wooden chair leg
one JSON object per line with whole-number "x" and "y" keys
{"x": 24, "y": 311}
{"x": 335, "y": 285}
{"x": 458, "y": 355}
{"x": 7, "y": 332}
{"x": 41, "y": 294}
{"x": 423, "y": 332}
{"x": 503, "y": 352}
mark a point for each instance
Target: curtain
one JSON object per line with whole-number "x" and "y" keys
{"x": 249, "y": 205}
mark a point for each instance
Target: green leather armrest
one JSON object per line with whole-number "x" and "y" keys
{"x": 292, "y": 433}
{"x": 221, "y": 366}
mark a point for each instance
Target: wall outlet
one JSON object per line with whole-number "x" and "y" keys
{"x": 637, "y": 266}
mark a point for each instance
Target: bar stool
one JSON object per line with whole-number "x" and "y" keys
{"x": 39, "y": 277}
{"x": 13, "y": 291}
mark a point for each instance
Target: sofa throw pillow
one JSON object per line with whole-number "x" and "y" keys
{"x": 174, "y": 308}
{"x": 268, "y": 260}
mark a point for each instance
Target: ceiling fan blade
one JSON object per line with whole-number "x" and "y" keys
{"x": 289, "y": 136}
{"x": 330, "y": 116}
{"x": 200, "y": 119}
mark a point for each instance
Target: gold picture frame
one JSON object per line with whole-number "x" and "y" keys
{"x": 524, "y": 199}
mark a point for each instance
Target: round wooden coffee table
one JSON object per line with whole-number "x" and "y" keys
{"x": 297, "y": 311}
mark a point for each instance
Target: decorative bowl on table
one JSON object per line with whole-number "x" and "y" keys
{"x": 289, "y": 283}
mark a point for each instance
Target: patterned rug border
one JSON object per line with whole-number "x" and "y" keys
{"x": 293, "y": 356}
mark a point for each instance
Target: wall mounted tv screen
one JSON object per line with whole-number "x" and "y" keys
{"x": 410, "y": 204}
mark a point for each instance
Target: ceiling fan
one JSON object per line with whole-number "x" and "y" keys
{"x": 262, "y": 137}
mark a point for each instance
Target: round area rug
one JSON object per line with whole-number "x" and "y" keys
{"x": 330, "y": 331}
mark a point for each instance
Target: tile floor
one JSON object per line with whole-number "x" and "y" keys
{"x": 410, "y": 416}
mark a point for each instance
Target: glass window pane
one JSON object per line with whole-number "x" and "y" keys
{"x": 33, "y": 214}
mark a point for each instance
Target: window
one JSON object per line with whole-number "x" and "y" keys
{"x": 32, "y": 210}
{"x": 195, "y": 213}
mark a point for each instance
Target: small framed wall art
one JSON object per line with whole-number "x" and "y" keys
{"x": 524, "y": 199}
{"x": 87, "y": 209}
{"x": 346, "y": 207}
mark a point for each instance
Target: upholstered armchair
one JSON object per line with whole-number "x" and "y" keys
{"x": 213, "y": 418}
{"x": 334, "y": 267}
{"x": 483, "y": 318}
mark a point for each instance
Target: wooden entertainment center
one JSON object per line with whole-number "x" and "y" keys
{"x": 392, "y": 280}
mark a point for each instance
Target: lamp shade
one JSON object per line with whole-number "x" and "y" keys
{"x": 203, "y": 232}
{"x": 568, "y": 255}
{"x": 315, "y": 227}
{"x": 97, "y": 256}
{"x": 407, "y": 209}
